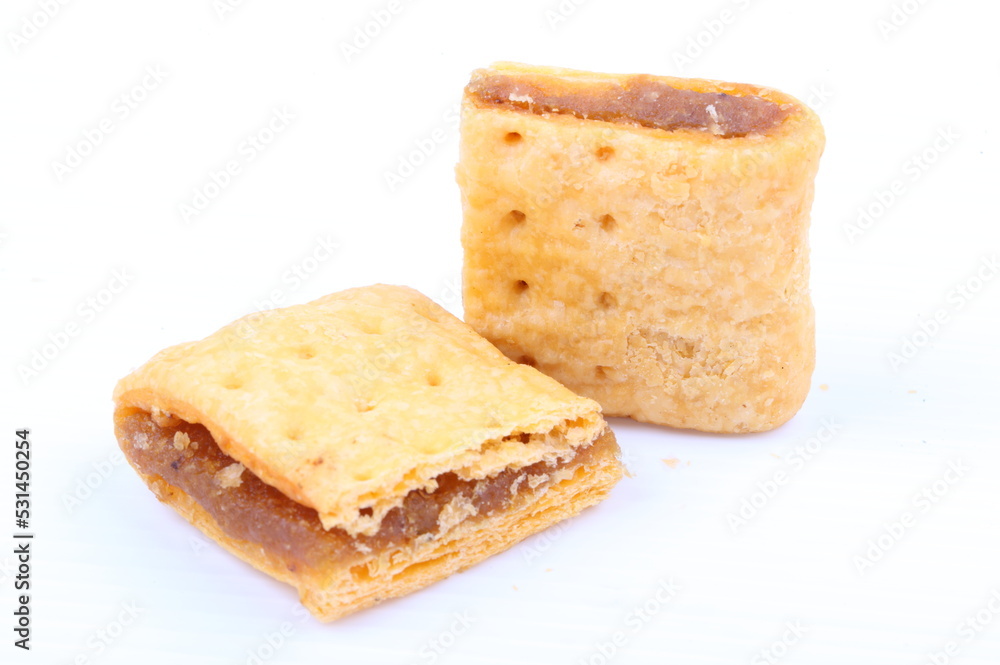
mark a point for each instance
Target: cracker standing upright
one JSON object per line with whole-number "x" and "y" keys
{"x": 643, "y": 240}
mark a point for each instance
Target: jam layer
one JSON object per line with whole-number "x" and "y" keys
{"x": 187, "y": 457}
{"x": 640, "y": 100}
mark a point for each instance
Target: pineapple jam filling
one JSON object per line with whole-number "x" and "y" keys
{"x": 641, "y": 100}
{"x": 185, "y": 456}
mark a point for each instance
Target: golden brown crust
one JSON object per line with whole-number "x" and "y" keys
{"x": 348, "y": 405}
{"x": 355, "y": 399}
{"x": 335, "y": 591}
{"x": 662, "y": 273}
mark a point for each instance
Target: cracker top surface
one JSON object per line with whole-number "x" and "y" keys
{"x": 348, "y": 402}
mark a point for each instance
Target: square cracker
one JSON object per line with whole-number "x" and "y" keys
{"x": 662, "y": 273}
{"x": 349, "y": 402}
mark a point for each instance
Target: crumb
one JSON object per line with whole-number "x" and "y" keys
{"x": 536, "y": 479}
{"x": 824, "y": 386}
{"x": 181, "y": 440}
{"x": 912, "y": 392}
{"x": 548, "y": 570}
{"x": 361, "y": 547}
{"x": 689, "y": 463}
{"x": 775, "y": 456}
{"x": 455, "y": 512}
{"x": 516, "y": 485}
{"x": 162, "y": 418}
{"x": 230, "y": 476}
{"x": 514, "y": 587}
{"x": 672, "y": 462}
{"x": 141, "y": 441}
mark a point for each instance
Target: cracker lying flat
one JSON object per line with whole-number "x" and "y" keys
{"x": 360, "y": 446}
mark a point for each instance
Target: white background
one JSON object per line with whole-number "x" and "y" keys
{"x": 884, "y": 95}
